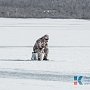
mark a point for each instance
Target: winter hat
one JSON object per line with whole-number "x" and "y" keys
{"x": 46, "y": 37}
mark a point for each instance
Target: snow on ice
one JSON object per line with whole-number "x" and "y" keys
{"x": 69, "y": 54}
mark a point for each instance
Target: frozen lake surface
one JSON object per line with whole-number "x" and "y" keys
{"x": 69, "y": 54}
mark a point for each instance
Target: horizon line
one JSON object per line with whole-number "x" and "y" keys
{"x": 48, "y": 46}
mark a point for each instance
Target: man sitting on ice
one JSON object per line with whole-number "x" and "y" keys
{"x": 41, "y": 47}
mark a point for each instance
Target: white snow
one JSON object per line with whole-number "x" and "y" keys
{"x": 69, "y": 54}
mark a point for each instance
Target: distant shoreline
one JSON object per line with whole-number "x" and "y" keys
{"x": 55, "y": 9}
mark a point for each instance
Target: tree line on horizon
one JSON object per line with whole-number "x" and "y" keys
{"x": 71, "y": 9}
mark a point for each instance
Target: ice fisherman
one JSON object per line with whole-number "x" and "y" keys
{"x": 41, "y": 47}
